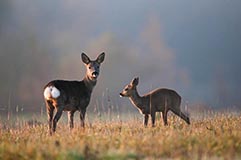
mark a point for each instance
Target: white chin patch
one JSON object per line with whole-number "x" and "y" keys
{"x": 51, "y": 92}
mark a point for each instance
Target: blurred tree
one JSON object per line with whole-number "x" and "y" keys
{"x": 4, "y": 11}
{"x": 25, "y": 60}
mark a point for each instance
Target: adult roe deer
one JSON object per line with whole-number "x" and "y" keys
{"x": 72, "y": 96}
{"x": 159, "y": 100}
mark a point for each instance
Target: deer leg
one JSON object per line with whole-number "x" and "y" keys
{"x": 185, "y": 118}
{"x": 153, "y": 118}
{"x": 71, "y": 119}
{"x": 50, "y": 112}
{"x": 164, "y": 116}
{"x": 146, "y": 117}
{"x": 56, "y": 118}
{"x": 182, "y": 115}
{"x": 82, "y": 118}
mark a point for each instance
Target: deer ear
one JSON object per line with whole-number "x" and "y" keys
{"x": 101, "y": 58}
{"x": 85, "y": 58}
{"x": 135, "y": 81}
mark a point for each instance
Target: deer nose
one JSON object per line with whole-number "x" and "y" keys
{"x": 95, "y": 74}
{"x": 121, "y": 95}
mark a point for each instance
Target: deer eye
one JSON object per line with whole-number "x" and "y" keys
{"x": 89, "y": 67}
{"x": 126, "y": 89}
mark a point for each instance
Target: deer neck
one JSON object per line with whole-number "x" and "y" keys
{"x": 89, "y": 83}
{"x": 136, "y": 99}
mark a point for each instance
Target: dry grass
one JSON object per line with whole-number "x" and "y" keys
{"x": 213, "y": 137}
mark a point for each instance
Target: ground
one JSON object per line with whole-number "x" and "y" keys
{"x": 214, "y": 136}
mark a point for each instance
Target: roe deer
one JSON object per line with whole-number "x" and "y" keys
{"x": 159, "y": 100}
{"x": 72, "y": 96}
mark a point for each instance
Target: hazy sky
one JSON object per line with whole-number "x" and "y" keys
{"x": 193, "y": 47}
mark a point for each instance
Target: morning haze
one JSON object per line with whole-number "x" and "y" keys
{"x": 192, "y": 47}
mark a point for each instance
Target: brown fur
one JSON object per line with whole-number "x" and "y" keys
{"x": 74, "y": 95}
{"x": 159, "y": 100}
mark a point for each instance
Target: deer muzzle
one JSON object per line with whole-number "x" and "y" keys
{"x": 122, "y": 95}
{"x": 95, "y": 74}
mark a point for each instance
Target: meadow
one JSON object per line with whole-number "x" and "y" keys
{"x": 215, "y": 135}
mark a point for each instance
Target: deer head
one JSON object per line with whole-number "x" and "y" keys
{"x": 93, "y": 67}
{"x": 130, "y": 88}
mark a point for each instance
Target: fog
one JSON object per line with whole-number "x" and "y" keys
{"x": 191, "y": 47}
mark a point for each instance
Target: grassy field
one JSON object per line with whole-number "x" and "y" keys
{"x": 214, "y": 136}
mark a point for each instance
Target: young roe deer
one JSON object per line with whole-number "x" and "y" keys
{"x": 72, "y": 96}
{"x": 159, "y": 100}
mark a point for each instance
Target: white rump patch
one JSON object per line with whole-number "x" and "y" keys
{"x": 51, "y": 92}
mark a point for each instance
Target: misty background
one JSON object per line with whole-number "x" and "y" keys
{"x": 193, "y": 47}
